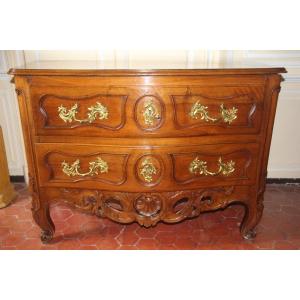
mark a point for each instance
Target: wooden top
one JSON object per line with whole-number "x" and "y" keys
{"x": 86, "y": 68}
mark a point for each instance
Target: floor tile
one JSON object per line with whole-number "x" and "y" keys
{"x": 279, "y": 228}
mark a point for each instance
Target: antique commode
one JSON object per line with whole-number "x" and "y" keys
{"x": 147, "y": 145}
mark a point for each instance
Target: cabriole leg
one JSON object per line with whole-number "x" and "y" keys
{"x": 252, "y": 216}
{"x": 43, "y": 219}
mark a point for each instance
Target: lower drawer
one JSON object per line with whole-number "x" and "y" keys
{"x": 146, "y": 168}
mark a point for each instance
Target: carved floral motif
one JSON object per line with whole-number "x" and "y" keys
{"x": 149, "y": 208}
{"x": 148, "y": 205}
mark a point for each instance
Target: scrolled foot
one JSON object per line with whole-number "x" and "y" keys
{"x": 46, "y": 236}
{"x": 249, "y": 235}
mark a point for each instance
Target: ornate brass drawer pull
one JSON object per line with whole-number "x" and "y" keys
{"x": 148, "y": 169}
{"x": 198, "y": 166}
{"x": 150, "y": 112}
{"x": 96, "y": 167}
{"x": 200, "y": 111}
{"x": 98, "y": 111}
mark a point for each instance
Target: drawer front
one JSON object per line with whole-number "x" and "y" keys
{"x": 137, "y": 110}
{"x": 218, "y": 110}
{"x": 78, "y": 111}
{"x": 135, "y": 169}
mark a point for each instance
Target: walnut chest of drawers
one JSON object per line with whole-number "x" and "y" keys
{"x": 147, "y": 145}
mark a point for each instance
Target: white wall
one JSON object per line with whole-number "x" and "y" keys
{"x": 284, "y": 159}
{"x": 9, "y": 114}
{"x": 285, "y": 148}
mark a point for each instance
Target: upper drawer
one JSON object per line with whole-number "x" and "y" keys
{"x": 138, "y": 110}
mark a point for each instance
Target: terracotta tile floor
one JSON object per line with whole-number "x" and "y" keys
{"x": 279, "y": 227}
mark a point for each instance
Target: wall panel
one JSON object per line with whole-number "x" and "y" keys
{"x": 9, "y": 114}
{"x": 285, "y": 148}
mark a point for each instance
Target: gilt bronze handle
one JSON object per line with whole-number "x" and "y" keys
{"x": 198, "y": 166}
{"x": 95, "y": 167}
{"x": 200, "y": 111}
{"x": 97, "y": 111}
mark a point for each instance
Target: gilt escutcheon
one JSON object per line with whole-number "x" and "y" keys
{"x": 147, "y": 170}
{"x": 150, "y": 112}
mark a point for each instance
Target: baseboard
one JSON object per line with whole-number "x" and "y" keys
{"x": 287, "y": 171}
{"x": 17, "y": 179}
{"x": 283, "y": 180}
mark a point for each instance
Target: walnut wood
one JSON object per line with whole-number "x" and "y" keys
{"x": 162, "y": 148}
{"x": 78, "y": 68}
{"x": 172, "y": 164}
{"x": 172, "y": 104}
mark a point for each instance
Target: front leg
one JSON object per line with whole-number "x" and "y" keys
{"x": 41, "y": 215}
{"x": 254, "y": 209}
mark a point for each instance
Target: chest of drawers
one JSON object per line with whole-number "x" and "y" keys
{"x": 147, "y": 145}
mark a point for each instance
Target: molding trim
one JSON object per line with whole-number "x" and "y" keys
{"x": 284, "y": 172}
{"x": 17, "y": 179}
{"x": 269, "y": 180}
{"x": 283, "y": 181}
